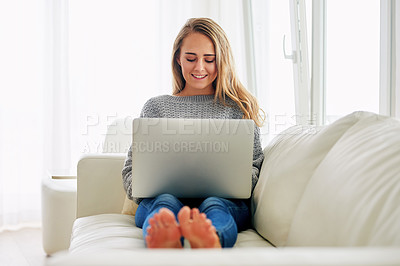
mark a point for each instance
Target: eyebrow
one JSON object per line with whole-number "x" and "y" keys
{"x": 204, "y": 54}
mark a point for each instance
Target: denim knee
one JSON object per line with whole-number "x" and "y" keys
{"x": 167, "y": 199}
{"x": 235, "y": 208}
{"x": 218, "y": 211}
{"x": 147, "y": 207}
{"x": 214, "y": 202}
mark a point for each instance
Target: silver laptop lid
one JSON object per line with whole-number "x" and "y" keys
{"x": 192, "y": 158}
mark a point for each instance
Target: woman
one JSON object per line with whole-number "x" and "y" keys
{"x": 205, "y": 85}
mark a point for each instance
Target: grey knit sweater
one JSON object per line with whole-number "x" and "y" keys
{"x": 198, "y": 106}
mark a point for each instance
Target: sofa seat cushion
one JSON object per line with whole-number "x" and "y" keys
{"x": 105, "y": 231}
{"x": 118, "y": 231}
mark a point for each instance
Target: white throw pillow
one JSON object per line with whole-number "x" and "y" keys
{"x": 290, "y": 161}
{"x": 353, "y": 198}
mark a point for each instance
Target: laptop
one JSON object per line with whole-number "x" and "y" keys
{"x": 192, "y": 158}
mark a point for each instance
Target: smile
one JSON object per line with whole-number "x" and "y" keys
{"x": 199, "y": 76}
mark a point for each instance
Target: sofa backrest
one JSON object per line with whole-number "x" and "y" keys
{"x": 353, "y": 197}
{"x": 99, "y": 184}
{"x": 335, "y": 186}
{"x": 99, "y": 176}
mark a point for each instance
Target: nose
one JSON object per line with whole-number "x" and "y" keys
{"x": 199, "y": 65}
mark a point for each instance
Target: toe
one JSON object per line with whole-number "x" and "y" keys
{"x": 184, "y": 215}
{"x": 212, "y": 229}
{"x": 149, "y": 241}
{"x": 152, "y": 222}
{"x": 195, "y": 214}
{"x": 167, "y": 217}
{"x": 149, "y": 230}
{"x": 208, "y": 222}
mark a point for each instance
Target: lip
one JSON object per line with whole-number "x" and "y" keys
{"x": 199, "y": 77}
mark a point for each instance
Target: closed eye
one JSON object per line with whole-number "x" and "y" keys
{"x": 207, "y": 61}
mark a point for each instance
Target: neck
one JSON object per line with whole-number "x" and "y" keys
{"x": 186, "y": 92}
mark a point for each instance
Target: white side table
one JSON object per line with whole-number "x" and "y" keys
{"x": 58, "y": 211}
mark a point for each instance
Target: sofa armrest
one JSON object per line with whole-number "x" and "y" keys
{"x": 58, "y": 211}
{"x": 99, "y": 184}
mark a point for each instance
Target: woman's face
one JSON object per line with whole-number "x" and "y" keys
{"x": 197, "y": 61}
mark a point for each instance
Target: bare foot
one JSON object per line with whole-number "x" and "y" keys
{"x": 197, "y": 229}
{"x": 163, "y": 231}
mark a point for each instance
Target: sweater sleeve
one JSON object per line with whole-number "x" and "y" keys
{"x": 127, "y": 174}
{"x": 258, "y": 157}
{"x": 149, "y": 110}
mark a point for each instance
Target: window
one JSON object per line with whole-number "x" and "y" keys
{"x": 274, "y": 73}
{"x": 352, "y": 73}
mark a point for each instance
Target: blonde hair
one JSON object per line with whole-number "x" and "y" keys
{"x": 227, "y": 82}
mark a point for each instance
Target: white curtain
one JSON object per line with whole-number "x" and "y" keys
{"x": 397, "y": 59}
{"x": 69, "y": 67}
{"x": 22, "y": 122}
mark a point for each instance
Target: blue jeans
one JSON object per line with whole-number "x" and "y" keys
{"x": 227, "y": 216}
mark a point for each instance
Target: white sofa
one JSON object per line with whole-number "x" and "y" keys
{"x": 326, "y": 196}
